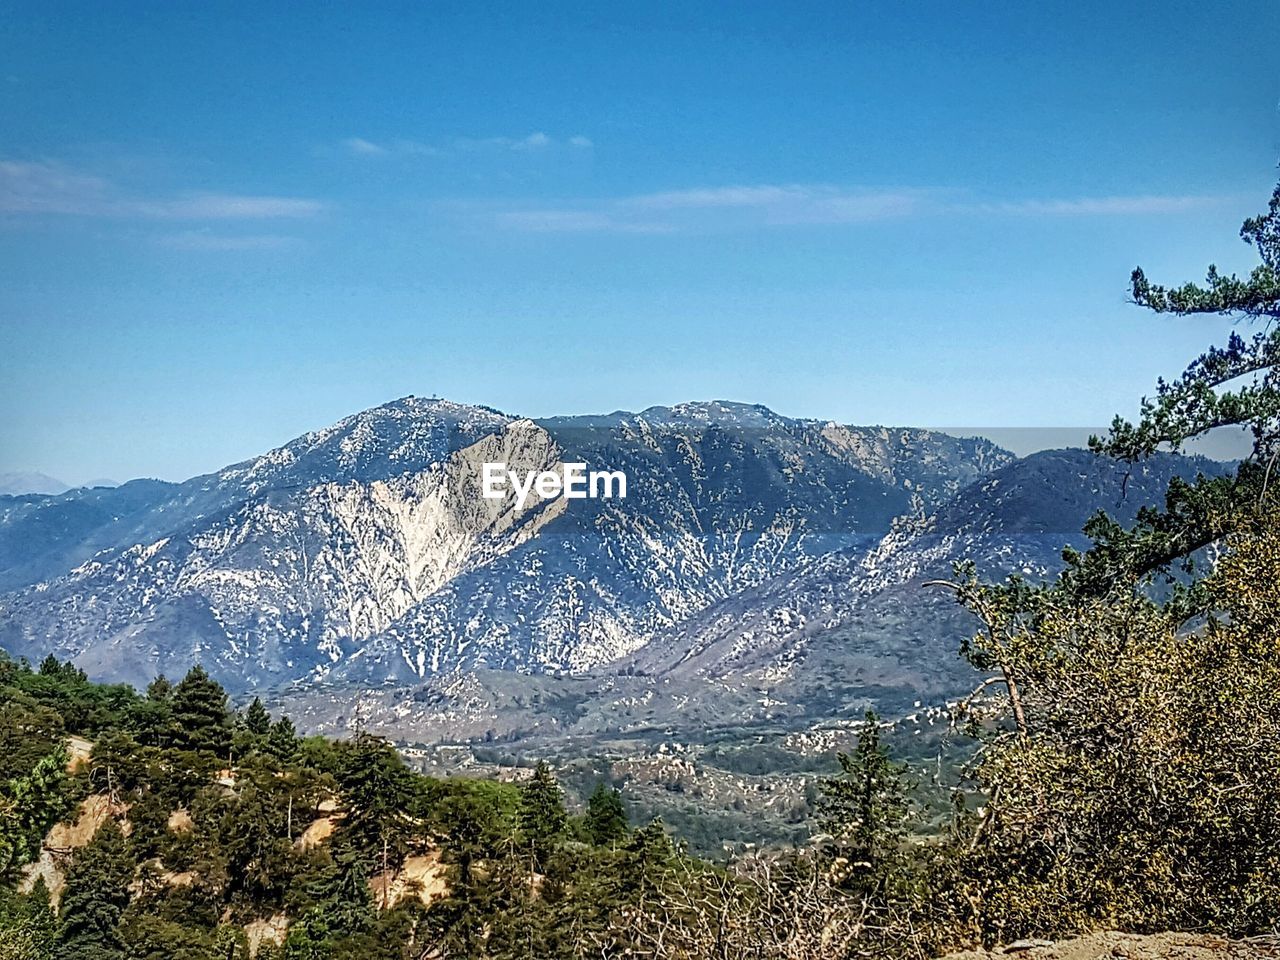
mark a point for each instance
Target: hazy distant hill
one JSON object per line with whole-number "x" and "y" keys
{"x": 19, "y": 483}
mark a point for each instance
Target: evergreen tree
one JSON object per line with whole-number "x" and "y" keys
{"x": 95, "y": 898}
{"x": 1131, "y": 778}
{"x": 151, "y": 718}
{"x": 606, "y": 818}
{"x": 864, "y": 808}
{"x": 543, "y": 819}
{"x": 160, "y": 690}
{"x": 282, "y": 740}
{"x": 42, "y": 920}
{"x": 1234, "y": 385}
{"x": 256, "y": 719}
{"x": 149, "y": 937}
{"x": 377, "y": 790}
{"x": 647, "y": 864}
{"x": 200, "y": 716}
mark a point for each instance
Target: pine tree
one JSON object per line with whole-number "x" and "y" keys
{"x": 256, "y": 718}
{"x": 864, "y": 808}
{"x": 647, "y": 864}
{"x": 543, "y": 820}
{"x": 1131, "y": 777}
{"x": 160, "y": 689}
{"x": 200, "y": 716}
{"x": 1234, "y": 385}
{"x": 282, "y": 740}
{"x": 606, "y": 818}
{"x": 42, "y": 921}
{"x": 377, "y": 790}
{"x": 95, "y": 898}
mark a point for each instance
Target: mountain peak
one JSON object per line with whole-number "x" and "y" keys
{"x": 393, "y": 438}
{"x": 716, "y": 412}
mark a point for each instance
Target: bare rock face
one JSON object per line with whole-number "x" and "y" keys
{"x": 1110, "y": 945}
{"x": 759, "y": 566}
{"x": 364, "y": 551}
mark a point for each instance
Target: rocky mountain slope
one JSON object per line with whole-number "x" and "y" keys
{"x": 363, "y": 553}
{"x": 807, "y": 649}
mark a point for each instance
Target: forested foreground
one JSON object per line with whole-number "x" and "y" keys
{"x": 1128, "y": 773}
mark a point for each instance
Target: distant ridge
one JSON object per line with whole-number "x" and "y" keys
{"x": 19, "y": 483}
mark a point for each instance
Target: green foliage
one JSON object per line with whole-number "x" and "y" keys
{"x": 256, "y": 719}
{"x": 864, "y": 810}
{"x": 29, "y": 805}
{"x": 1237, "y": 385}
{"x": 1256, "y": 296}
{"x": 1130, "y": 769}
{"x": 378, "y": 790}
{"x": 201, "y": 719}
{"x": 28, "y": 926}
{"x": 95, "y": 898}
{"x": 543, "y": 820}
{"x": 606, "y": 818}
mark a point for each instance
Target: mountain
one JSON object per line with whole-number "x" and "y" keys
{"x": 760, "y": 569}
{"x": 17, "y": 484}
{"x": 362, "y": 552}
{"x": 804, "y": 650}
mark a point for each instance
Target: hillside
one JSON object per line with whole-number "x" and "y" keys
{"x": 361, "y": 552}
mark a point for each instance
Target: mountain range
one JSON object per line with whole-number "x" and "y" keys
{"x": 760, "y": 568}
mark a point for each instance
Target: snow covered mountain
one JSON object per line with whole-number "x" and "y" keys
{"x": 363, "y": 553}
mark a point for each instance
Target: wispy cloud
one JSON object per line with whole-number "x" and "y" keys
{"x": 576, "y": 221}
{"x": 228, "y": 206}
{"x": 50, "y": 188}
{"x": 710, "y": 208}
{"x": 207, "y": 241}
{"x": 360, "y": 147}
{"x": 47, "y": 187}
{"x": 1131, "y": 206}
{"x": 534, "y": 142}
{"x": 756, "y": 206}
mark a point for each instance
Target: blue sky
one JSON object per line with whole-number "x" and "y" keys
{"x": 224, "y": 224}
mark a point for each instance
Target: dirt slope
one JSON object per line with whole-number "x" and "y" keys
{"x": 1126, "y": 946}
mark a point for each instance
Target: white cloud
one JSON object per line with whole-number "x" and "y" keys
{"x": 228, "y": 206}
{"x": 1132, "y": 206}
{"x": 534, "y": 141}
{"x": 756, "y": 206}
{"x": 575, "y": 221}
{"x": 733, "y": 196}
{"x": 50, "y": 188}
{"x": 530, "y": 143}
{"x": 718, "y": 208}
{"x": 362, "y": 147}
